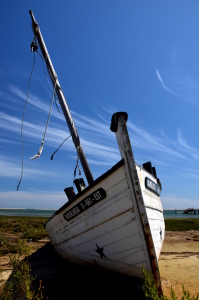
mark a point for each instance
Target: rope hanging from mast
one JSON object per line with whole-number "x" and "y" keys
{"x": 59, "y": 147}
{"x": 23, "y": 120}
{"x": 56, "y": 99}
{"x": 34, "y": 48}
{"x": 42, "y": 143}
{"x": 77, "y": 166}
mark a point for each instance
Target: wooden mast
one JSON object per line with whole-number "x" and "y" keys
{"x": 62, "y": 100}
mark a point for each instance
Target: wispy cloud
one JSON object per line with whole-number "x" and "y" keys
{"x": 92, "y": 125}
{"x": 186, "y": 147}
{"x": 162, "y": 82}
{"x": 145, "y": 140}
{"x": 56, "y": 136}
{"x": 98, "y": 141}
{"x": 33, "y": 100}
{"x": 105, "y": 149}
{"x": 177, "y": 82}
{"x": 10, "y": 167}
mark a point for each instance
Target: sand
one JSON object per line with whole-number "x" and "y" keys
{"x": 178, "y": 264}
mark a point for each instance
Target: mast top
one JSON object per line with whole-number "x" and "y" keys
{"x": 62, "y": 100}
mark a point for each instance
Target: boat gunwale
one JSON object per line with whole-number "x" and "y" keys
{"x": 95, "y": 182}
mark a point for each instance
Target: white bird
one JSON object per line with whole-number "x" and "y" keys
{"x": 39, "y": 152}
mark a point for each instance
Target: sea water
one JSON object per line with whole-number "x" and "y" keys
{"x": 23, "y": 212}
{"x": 16, "y": 212}
{"x": 172, "y": 214}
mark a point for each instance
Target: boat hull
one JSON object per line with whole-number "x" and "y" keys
{"x": 116, "y": 222}
{"x": 108, "y": 234}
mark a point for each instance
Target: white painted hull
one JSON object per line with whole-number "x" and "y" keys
{"x": 122, "y": 232}
{"x": 154, "y": 211}
{"x": 110, "y": 224}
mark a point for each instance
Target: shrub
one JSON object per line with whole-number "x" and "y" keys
{"x": 150, "y": 290}
{"x": 19, "y": 284}
{"x": 18, "y": 287}
{"x": 19, "y": 246}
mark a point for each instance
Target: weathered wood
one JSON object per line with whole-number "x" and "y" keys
{"x": 137, "y": 196}
{"x": 123, "y": 231}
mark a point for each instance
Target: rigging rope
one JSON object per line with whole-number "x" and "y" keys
{"x": 59, "y": 147}
{"x": 56, "y": 99}
{"x": 42, "y": 59}
{"x": 77, "y": 166}
{"x": 50, "y": 109}
{"x": 42, "y": 143}
{"x": 34, "y": 48}
{"x": 23, "y": 120}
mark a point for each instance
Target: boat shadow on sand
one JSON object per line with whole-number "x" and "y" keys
{"x": 62, "y": 279}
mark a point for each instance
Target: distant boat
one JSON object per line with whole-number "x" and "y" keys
{"x": 116, "y": 222}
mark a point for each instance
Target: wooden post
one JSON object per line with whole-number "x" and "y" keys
{"x": 118, "y": 125}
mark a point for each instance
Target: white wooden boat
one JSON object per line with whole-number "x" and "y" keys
{"x": 116, "y": 222}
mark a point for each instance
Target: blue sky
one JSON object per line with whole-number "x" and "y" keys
{"x": 141, "y": 57}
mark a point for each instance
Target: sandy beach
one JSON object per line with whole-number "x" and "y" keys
{"x": 179, "y": 261}
{"x": 178, "y": 265}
